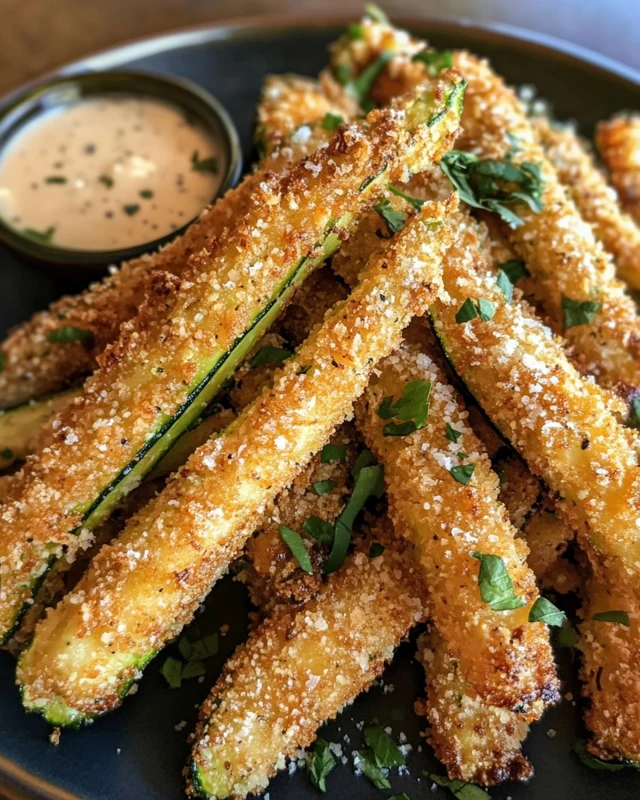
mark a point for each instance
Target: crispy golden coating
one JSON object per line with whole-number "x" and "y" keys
{"x": 558, "y": 246}
{"x": 300, "y": 667}
{"x": 611, "y": 683}
{"x": 559, "y": 422}
{"x": 548, "y": 537}
{"x": 189, "y": 326}
{"x": 184, "y": 540}
{"x": 618, "y": 141}
{"x": 477, "y": 742}
{"x": 507, "y": 660}
{"x": 273, "y": 574}
{"x": 34, "y": 366}
{"x": 595, "y": 199}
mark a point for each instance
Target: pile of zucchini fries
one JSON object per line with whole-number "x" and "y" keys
{"x": 436, "y": 426}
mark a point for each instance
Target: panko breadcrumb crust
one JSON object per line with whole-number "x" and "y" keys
{"x": 185, "y": 539}
{"x": 618, "y": 142}
{"x": 150, "y": 371}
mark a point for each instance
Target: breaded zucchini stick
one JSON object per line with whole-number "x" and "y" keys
{"x": 548, "y": 537}
{"x": 618, "y": 142}
{"x": 477, "y": 742}
{"x": 35, "y": 366}
{"x": 609, "y": 671}
{"x": 170, "y": 362}
{"x": 568, "y": 264}
{"x": 595, "y": 199}
{"x": 559, "y": 422}
{"x": 300, "y": 667}
{"x": 116, "y": 620}
{"x": 506, "y": 660}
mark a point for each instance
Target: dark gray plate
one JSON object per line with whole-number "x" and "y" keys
{"x": 136, "y": 752}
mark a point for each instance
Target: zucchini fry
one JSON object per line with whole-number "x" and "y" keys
{"x": 172, "y": 360}
{"x": 477, "y": 742}
{"x": 618, "y": 142}
{"x": 300, "y": 667}
{"x": 548, "y": 537}
{"x": 34, "y": 366}
{"x": 566, "y": 261}
{"x": 610, "y": 655}
{"x": 559, "y": 423}
{"x": 506, "y": 660}
{"x": 184, "y": 540}
{"x": 595, "y": 199}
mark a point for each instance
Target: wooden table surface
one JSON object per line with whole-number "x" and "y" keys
{"x": 38, "y": 35}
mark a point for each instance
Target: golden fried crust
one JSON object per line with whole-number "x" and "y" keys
{"x": 34, "y": 366}
{"x": 148, "y": 373}
{"x": 611, "y": 683}
{"x": 548, "y": 536}
{"x": 557, "y": 245}
{"x": 507, "y": 660}
{"x": 556, "y": 420}
{"x": 618, "y": 142}
{"x": 273, "y": 574}
{"x": 185, "y": 539}
{"x": 477, "y": 742}
{"x": 595, "y": 199}
{"x": 301, "y": 666}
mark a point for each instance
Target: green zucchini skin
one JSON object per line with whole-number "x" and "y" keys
{"x": 385, "y": 164}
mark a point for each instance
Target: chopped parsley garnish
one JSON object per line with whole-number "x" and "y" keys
{"x": 578, "y": 312}
{"x": 203, "y": 164}
{"x": 146, "y": 194}
{"x": 514, "y": 270}
{"x": 567, "y": 636}
{"x": 321, "y": 764}
{"x": 319, "y": 529}
{"x": 384, "y": 749}
{"x": 107, "y": 180}
{"x": 466, "y": 312}
{"x": 42, "y": 237}
{"x": 56, "y": 179}
{"x": 331, "y": 121}
{"x": 172, "y": 672}
{"x": 504, "y": 284}
{"x": 487, "y": 183}
{"x": 633, "y": 420}
{"x": 68, "y": 333}
{"x": 305, "y": 369}
{"x": 544, "y": 610}
{"x": 194, "y": 654}
{"x": 365, "y": 459}
{"x": 463, "y": 473}
{"x": 486, "y": 309}
{"x": 416, "y": 202}
{"x": 403, "y": 796}
{"x": 294, "y": 542}
{"x": 451, "y": 433}
{"x": 360, "y": 87}
{"x": 459, "y": 789}
{"x": 375, "y": 549}
{"x": 343, "y": 74}
{"x": 435, "y": 61}
{"x": 323, "y": 487}
{"x": 372, "y": 12}
{"x": 412, "y": 409}
{"x": 269, "y": 355}
{"x": 130, "y": 209}
{"x": 394, "y": 220}
{"x": 333, "y": 452}
{"x": 355, "y": 30}
{"x": 7, "y": 453}
{"x": 580, "y": 749}
{"x": 365, "y": 762}
{"x": 620, "y": 617}
{"x": 367, "y": 485}
{"x": 496, "y": 586}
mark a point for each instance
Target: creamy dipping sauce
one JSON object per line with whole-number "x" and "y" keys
{"x": 107, "y": 173}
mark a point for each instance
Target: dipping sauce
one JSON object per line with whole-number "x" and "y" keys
{"x": 107, "y": 173}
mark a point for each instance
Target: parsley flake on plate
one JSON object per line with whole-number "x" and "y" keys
{"x": 496, "y": 586}
{"x": 619, "y": 617}
{"x": 394, "y": 220}
{"x": 463, "y": 473}
{"x": 578, "y": 312}
{"x": 269, "y": 355}
{"x": 68, "y": 333}
{"x": 435, "y": 61}
{"x": 321, "y": 764}
{"x": 294, "y": 542}
{"x": 412, "y": 409}
{"x": 544, "y": 610}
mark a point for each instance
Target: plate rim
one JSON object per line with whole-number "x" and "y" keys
{"x": 16, "y": 782}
